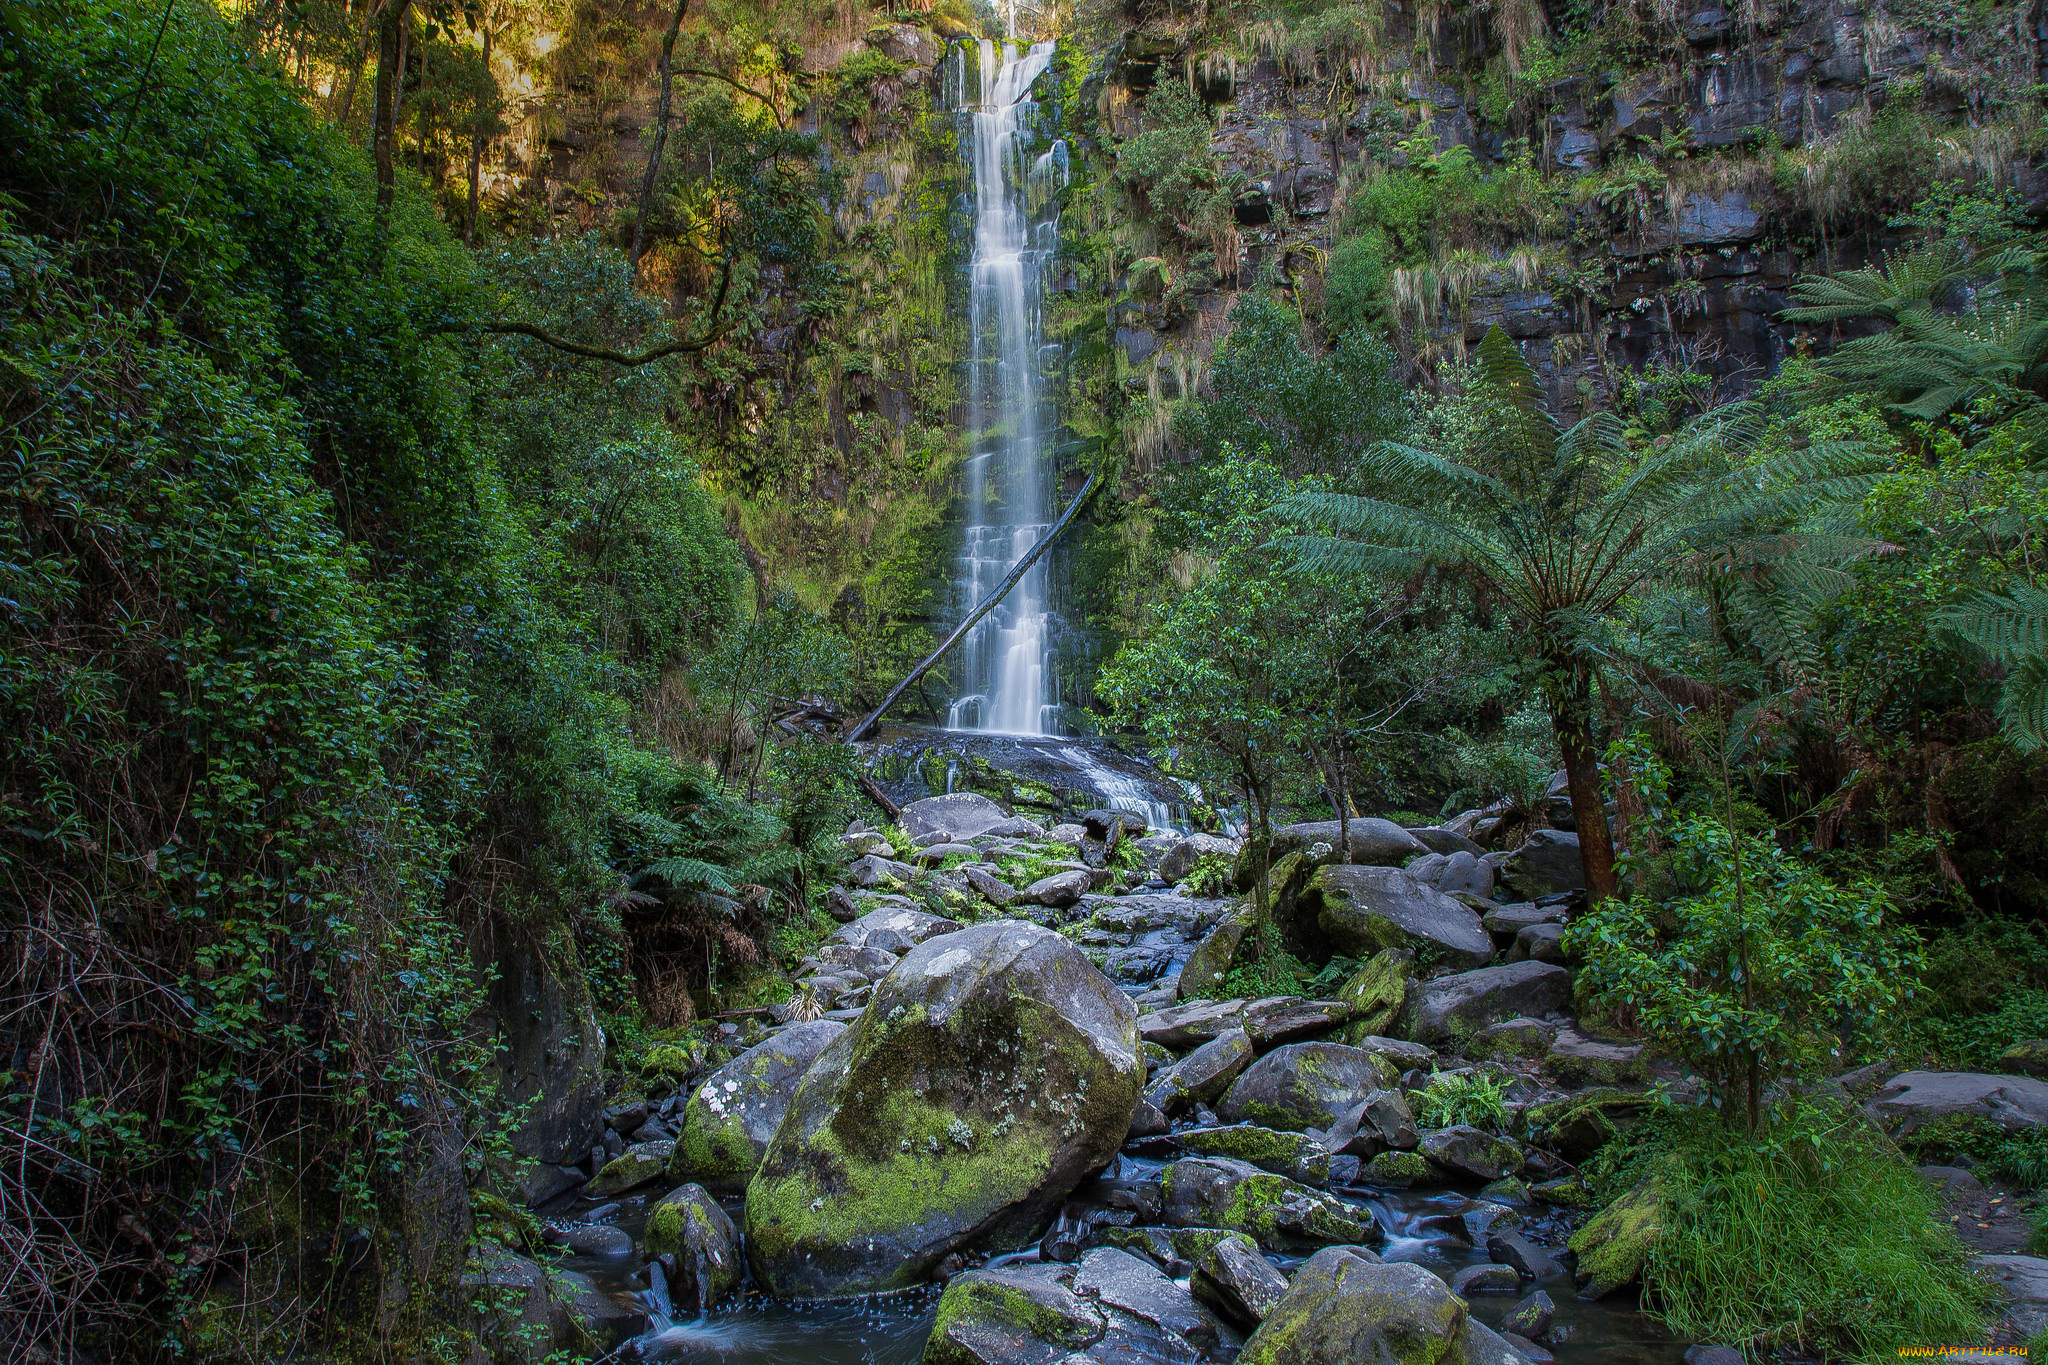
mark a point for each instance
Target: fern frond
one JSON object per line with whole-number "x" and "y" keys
{"x": 2024, "y": 708}
{"x": 2011, "y": 628}
{"x": 689, "y": 873}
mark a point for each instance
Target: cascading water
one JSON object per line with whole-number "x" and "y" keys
{"x": 1007, "y": 658}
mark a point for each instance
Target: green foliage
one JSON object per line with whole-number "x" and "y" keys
{"x": 1272, "y": 972}
{"x": 1213, "y": 875}
{"x": 1477, "y": 1098}
{"x": 1760, "y": 967}
{"x": 1813, "y": 1237}
{"x": 1171, "y": 165}
{"x": 1413, "y": 215}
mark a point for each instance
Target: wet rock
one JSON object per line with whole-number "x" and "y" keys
{"x": 1531, "y": 1317}
{"x": 1713, "y": 1355}
{"x": 872, "y": 871}
{"x": 1468, "y": 1151}
{"x": 594, "y": 1239}
{"x": 1374, "y": 842}
{"x": 1129, "y": 1284}
{"x": 1546, "y": 863}
{"x": 1579, "y": 1125}
{"x": 539, "y": 1183}
{"x": 636, "y": 1166}
{"x": 1185, "y": 1026}
{"x": 1060, "y": 890}
{"x": 992, "y": 1070}
{"x": 516, "y": 1303}
{"x": 990, "y": 887}
{"x": 1272, "y": 1023}
{"x": 893, "y": 929}
{"x": 1173, "y": 1250}
{"x": 1515, "y": 1039}
{"x": 1358, "y": 911}
{"x": 1377, "y": 991}
{"x": 1213, "y": 955}
{"x": 1539, "y": 943}
{"x": 1464, "y": 873}
{"x": 1451, "y": 1009}
{"x": 1203, "y": 1074}
{"x": 731, "y": 1118}
{"x": 1564, "y": 1192}
{"x": 1294, "y": 1155}
{"x": 1486, "y": 1279}
{"x": 1348, "y": 1305}
{"x": 687, "y": 1226}
{"x": 602, "y": 1319}
{"x": 1015, "y": 1315}
{"x": 1528, "y": 1260}
{"x": 1438, "y": 839}
{"x": 957, "y": 817}
{"x": 1524, "y": 1349}
{"x": 1381, "y": 1122}
{"x": 1278, "y": 1213}
{"x": 1577, "y": 1060}
{"x": 1239, "y": 1283}
{"x": 1305, "y": 1085}
{"x": 1915, "y": 1099}
{"x": 1149, "y": 1121}
{"x": 1398, "y": 1171}
{"x": 1613, "y": 1247}
{"x": 1508, "y": 1189}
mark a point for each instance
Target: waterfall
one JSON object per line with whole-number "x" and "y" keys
{"x": 1006, "y": 658}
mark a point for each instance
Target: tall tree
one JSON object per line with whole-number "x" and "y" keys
{"x": 1561, "y": 525}
{"x": 661, "y": 113}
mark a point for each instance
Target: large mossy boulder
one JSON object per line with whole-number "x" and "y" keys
{"x": 1305, "y": 1085}
{"x": 990, "y": 1072}
{"x": 955, "y": 817}
{"x": 1374, "y": 842}
{"x": 1360, "y": 911}
{"x": 1346, "y": 1304}
{"x": 1205, "y": 968}
{"x": 1376, "y": 992}
{"x": 1278, "y": 1213}
{"x": 1294, "y": 1155}
{"x": 1546, "y": 864}
{"x": 1015, "y": 1315}
{"x": 1612, "y": 1249}
{"x": 1450, "y": 1009}
{"x": 729, "y": 1122}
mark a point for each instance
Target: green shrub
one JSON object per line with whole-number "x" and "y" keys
{"x": 1813, "y": 1239}
{"x": 1472, "y": 1097}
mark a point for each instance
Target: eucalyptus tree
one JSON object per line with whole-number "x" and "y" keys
{"x": 1561, "y": 525}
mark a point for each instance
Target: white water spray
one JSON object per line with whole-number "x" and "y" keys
{"x": 1006, "y": 658}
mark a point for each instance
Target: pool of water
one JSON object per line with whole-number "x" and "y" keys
{"x": 757, "y": 1330}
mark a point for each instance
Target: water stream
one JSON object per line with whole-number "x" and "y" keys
{"x": 1006, "y": 659}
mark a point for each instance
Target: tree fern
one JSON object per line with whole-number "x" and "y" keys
{"x": 2013, "y": 629}
{"x": 691, "y": 874}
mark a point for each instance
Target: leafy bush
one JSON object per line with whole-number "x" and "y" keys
{"x": 1212, "y": 877}
{"x": 1471, "y": 1097}
{"x": 1812, "y": 1238}
{"x": 1762, "y": 966}
{"x": 1272, "y": 972}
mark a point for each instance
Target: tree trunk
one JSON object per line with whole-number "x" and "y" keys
{"x": 476, "y": 153}
{"x": 384, "y": 119}
{"x": 1572, "y": 718}
{"x": 661, "y": 107}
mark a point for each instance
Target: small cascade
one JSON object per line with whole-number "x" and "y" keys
{"x": 1007, "y": 658}
{"x": 1120, "y": 791}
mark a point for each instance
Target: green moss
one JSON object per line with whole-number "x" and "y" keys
{"x": 664, "y": 1235}
{"x": 672, "y": 1059}
{"x": 1288, "y": 1154}
{"x": 1398, "y": 1170}
{"x": 1377, "y": 993}
{"x": 1578, "y": 1071}
{"x": 1613, "y": 1248}
{"x": 981, "y": 1301}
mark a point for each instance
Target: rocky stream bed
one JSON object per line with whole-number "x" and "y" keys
{"x": 1013, "y": 1122}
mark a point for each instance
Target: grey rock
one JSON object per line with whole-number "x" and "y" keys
{"x": 1358, "y": 911}
{"x": 541, "y": 1182}
{"x": 1004, "y": 1029}
{"x": 731, "y": 1118}
{"x": 1238, "y": 1282}
{"x": 1374, "y": 841}
{"x": 1546, "y": 863}
{"x": 1149, "y": 1121}
{"x": 2023, "y": 1280}
{"x": 1345, "y": 1305}
{"x": 1271, "y": 1023}
{"x": 1956, "y": 1185}
{"x": 1212, "y": 957}
{"x": 596, "y": 1239}
{"x": 1014, "y": 1315}
{"x": 1184, "y": 1026}
{"x": 1713, "y": 1355}
{"x": 1465, "y": 1150}
{"x": 956, "y": 816}
{"x": 1917, "y": 1098}
{"x": 1440, "y": 839}
{"x": 1486, "y": 1279}
{"x": 933, "y": 854}
{"x": 549, "y": 1057}
{"x": 1403, "y": 1054}
{"x": 608, "y": 1322}
{"x": 1513, "y": 1249}
{"x": 893, "y": 929}
{"x": 1278, "y": 1213}
{"x": 1451, "y": 1008}
{"x": 1203, "y": 1075}
{"x": 1539, "y": 943}
{"x": 868, "y": 841}
{"x": 1304, "y": 1085}
{"x": 636, "y": 1166}
{"x": 1379, "y": 1123}
{"x": 991, "y": 888}
{"x": 1463, "y": 873}
{"x": 1511, "y": 1038}
{"x": 1116, "y": 1279}
{"x": 1294, "y": 1155}
{"x": 1510, "y": 920}
{"x": 688, "y": 1230}
{"x": 840, "y": 906}
{"x": 1060, "y": 890}
{"x": 872, "y": 871}
{"x": 1531, "y": 1317}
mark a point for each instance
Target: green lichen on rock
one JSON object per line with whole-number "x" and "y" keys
{"x": 1343, "y": 1306}
{"x": 1290, "y": 1154}
{"x": 992, "y": 1071}
{"x": 2028, "y": 1057}
{"x": 1016, "y": 1313}
{"x": 733, "y": 1115}
{"x": 1613, "y": 1248}
{"x": 1213, "y": 956}
{"x": 1579, "y": 1125}
{"x": 1398, "y": 1170}
{"x": 1164, "y": 1244}
{"x": 1376, "y": 993}
{"x": 1279, "y": 1213}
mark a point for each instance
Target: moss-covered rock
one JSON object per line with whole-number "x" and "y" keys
{"x": 728, "y": 1123}
{"x": 1576, "y": 1060}
{"x": 992, "y": 1070}
{"x": 1565, "y": 1192}
{"x": 1613, "y": 1247}
{"x": 1290, "y": 1154}
{"x": 1166, "y": 1246}
{"x": 1510, "y": 1040}
{"x": 688, "y": 1225}
{"x": 632, "y": 1168}
{"x": 1398, "y": 1170}
{"x": 1450, "y": 1009}
{"x": 1376, "y": 993}
{"x": 1359, "y": 911}
{"x": 2028, "y": 1057}
{"x": 1212, "y": 957}
{"x": 1009, "y": 1316}
{"x": 1347, "y": 1305}
{"x": 1305, "y": 1085}
{"x": 1278, "y": 1213}
{"x": 1472, "y": 1152}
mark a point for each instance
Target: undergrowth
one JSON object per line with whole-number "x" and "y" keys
{"x": 1469, "y": 1097}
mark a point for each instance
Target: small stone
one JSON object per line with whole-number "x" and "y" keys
{"x": 1528, "y": 1260}
{"x": 1398, "y": 1170}
{"x": 1507, "y": 1190}
{"x": 1529, "y": 1350}
{"x": 595, "y": 1239}
{"x": 1238, "y": 1282}
{"x": 1486, "y": 1279}
{"x": 1149, "y": 1121}
{"x": 1511, "y": 1039}
{"x": 1713, "y": 1355}
{"x": 1531, "y": 1317}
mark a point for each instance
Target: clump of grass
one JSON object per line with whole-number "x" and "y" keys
{"x": 1809, "y": 1235}
{"x": 1455, "y": 1097}
{"x": 1272, "y": 972}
